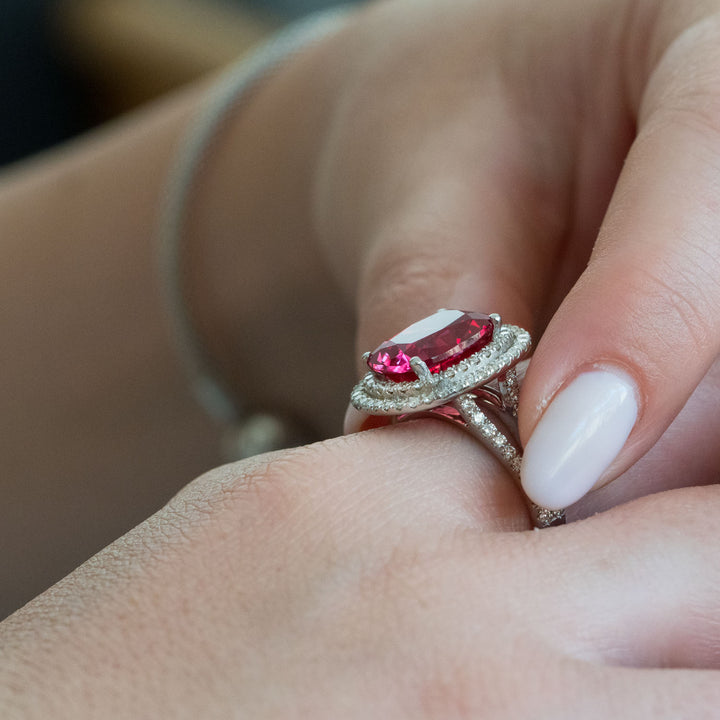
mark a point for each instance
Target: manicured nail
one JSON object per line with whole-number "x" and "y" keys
{"x": 578, "y": 437}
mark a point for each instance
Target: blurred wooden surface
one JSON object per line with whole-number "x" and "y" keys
{"x": 127, "y": 52}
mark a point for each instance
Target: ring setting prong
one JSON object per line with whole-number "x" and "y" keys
{"x": 421, "y": 369}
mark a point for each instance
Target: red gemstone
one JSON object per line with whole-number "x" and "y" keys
{"x": 440, "y": 340}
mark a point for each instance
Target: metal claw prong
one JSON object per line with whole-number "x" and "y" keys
{"x": 366, "y": 356}
{"x": 421, "y": 369}
{"x": 497, "y": 320}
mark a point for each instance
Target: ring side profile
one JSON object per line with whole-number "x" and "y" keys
{"x": 461, "y": 367}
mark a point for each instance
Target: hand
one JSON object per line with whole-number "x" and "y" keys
{"x": 384, "y": 575}
{"x": 555, "y": 162}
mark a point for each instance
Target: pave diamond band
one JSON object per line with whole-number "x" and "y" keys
{"x": 475, "y": 384}
{"x": 505, "y": 448}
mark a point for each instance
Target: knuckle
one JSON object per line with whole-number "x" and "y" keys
{"x": 405, "y": 279}
{"x": 400, "y": 268}
{"x": 256, "y": 495}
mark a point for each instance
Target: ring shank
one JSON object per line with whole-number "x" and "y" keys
{"x": 503, "y": 445}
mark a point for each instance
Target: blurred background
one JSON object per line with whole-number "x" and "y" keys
{"x": 67, "y": 65}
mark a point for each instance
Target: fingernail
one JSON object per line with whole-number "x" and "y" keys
{"x": 578, "y": 437}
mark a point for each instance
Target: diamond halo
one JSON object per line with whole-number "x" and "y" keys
{"x": 377, "y": 395}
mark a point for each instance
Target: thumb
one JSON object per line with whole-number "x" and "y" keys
{"x": 640, "y": 329}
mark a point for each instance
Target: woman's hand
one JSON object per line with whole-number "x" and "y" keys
{"x": 558, "y": 163}
{"x": 385, "y": 575}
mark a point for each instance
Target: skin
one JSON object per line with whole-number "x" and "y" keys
{"x": 100, "y": 427}
{"x": 344, "y": 580}
{"x": 553, "y": 161}
{"x": 391, "y": 573}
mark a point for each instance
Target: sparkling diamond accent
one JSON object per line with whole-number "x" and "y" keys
{"x": 479, "y": 424}
{"x": 510, "y": 390}
{"x": 542, "y": 517}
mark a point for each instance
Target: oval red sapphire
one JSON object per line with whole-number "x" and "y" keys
{"x": 440, "y": 340}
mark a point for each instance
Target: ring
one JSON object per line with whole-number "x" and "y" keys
{"x": 461, "y": 367}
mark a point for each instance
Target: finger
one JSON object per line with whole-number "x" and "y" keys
{"x": 640, "y": 329}
{"x": 688, "y": 451}
{"x": 424, "y": 476}
{"x": 278, "y": 567}
{"x": 435, "y": 211}
{"x": 454, "y": 245}
{"x": 638, "y": 584}
{"x": 453, "y": 236}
